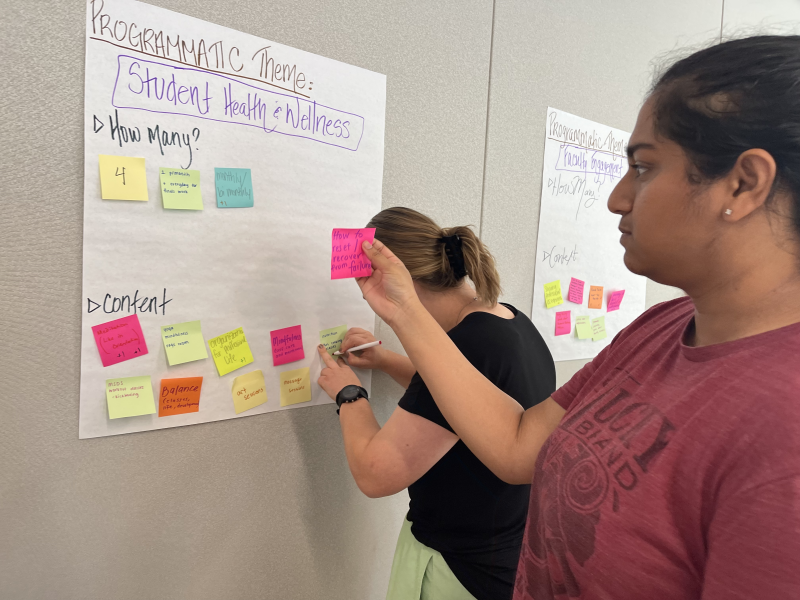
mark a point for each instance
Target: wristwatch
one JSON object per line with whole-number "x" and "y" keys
{"x": 350, "y": 393}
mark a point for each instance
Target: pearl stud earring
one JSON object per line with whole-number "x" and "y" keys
{"x": 728, "y": 211}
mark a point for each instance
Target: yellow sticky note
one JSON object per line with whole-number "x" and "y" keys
{"x": 230, "y": 351}
{"x": 183, "y": 342}
{"x": 598, "y": 329}
{"x": 295, "y": 386}
{"x": 122, "y": 178}
{"x": 552, "y": 294}
{"x": 129, "y": 397}
{"x": 249, "y": 391}
{"x": 583, "y": 327}
{"x": 180, "y": 189}
{"x": 332, "y": 338}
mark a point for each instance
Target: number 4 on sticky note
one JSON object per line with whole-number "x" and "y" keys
{"x": 122, "y": 178}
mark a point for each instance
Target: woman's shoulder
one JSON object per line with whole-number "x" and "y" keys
{"x": 492, "y": 333}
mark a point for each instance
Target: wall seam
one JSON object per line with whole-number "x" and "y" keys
{"x": 486, "y": 132}
{"x": 722, "y": 21}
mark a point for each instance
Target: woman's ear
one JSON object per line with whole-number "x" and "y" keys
{"x": 749, "y": 184}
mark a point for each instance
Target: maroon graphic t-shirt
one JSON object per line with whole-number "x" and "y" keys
{"x": 674, "y": 474}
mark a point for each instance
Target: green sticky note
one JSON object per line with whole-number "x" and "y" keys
{"x": 332, "y": 338}
{"x": 183, "y": 342}
{"x": 129, "y": 397}
{"x": 180, "y": 189}
{"x": 230, "y": 351}
{"x": 598, "y": 329}
{"x": 552, "y": 294}
{"x": 234, "y": 188}
{"x": 583, "y": 327}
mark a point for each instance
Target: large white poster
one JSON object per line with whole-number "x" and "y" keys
{"x": 583, "y": 294}
{"x": 217, "y": 165}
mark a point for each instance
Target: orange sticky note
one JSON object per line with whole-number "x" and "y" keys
{"x": 596, "y": 296}
{"x": 178, "y": 396}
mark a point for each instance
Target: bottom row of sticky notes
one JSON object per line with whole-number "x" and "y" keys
{"x": 585, "y": 327}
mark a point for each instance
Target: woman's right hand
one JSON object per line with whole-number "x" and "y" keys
{"x": 389, "y": 289}
{"x": 371, "y": 358}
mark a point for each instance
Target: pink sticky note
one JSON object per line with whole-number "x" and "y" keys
{"x": 287, "y": 345}
{"x": 575, "y": 291}
{"x": 614, "y": 300}
{"x": 347, "y": 256}
{"x": 119, "y": 340}
{"x": 563, "y": 322}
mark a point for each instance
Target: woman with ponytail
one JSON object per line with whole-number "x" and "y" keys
{"x": 462, "y": 536}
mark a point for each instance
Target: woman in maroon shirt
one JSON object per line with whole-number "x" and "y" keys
{"x": 669, "y": 466}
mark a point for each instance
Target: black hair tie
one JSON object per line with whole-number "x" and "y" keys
{"x": 452, "y": 248}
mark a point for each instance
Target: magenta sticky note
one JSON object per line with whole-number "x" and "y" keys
{"x": 287, "y": 345}
{"x": 575, "y": 293}
{"x": 347, "y": 256}
{"x": 563, "y": 322}
{"x": 614, "y": 300}
{"x": 119, "y": 340}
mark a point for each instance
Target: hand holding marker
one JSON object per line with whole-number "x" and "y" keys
{"x": 357, "y": 348}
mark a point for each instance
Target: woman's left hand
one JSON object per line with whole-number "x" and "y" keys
{"x": 335, "y": 374}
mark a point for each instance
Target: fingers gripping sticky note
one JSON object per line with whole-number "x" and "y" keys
{"x": 596, "y": 296}
{"x": 234, "y": 188}
{"x": 563, "y": 322}
{"x": 347, "y": 256}
{"x": 552, "y": 294}
{"x": 332, "y": 338}
{"x": 122, "y": 178}
{"x": 179, "y": 396}
{"x": 614, "y": 300}
{"x": 249, "y": 391}
{"x": 180, "y": 189}
{"x": 230, "y": 351}
{"x": 119, "y": 340}
{"x": 583, "y": 327}
{"x": 575, "y": 293}
{"x": 598, "y": 329}
{"x": 129, "y": 397}
{"x": 287, "y": 345}
{"x": 183, "y": 342}
{"x": 295, "y": 386}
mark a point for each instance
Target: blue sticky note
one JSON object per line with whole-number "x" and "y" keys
{"x": 234, "y": 188}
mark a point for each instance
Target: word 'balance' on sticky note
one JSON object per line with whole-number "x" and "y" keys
{"x": 230, "y": 351}
{"x": 614, "y": 300}
{"x": 347, "y": 255}
{"x": 575, "y": 293}
{"x": 183, "y": 342}
{"x": 563, "y": 322}
{"x": 249, "y": 391}
{"x": 179, "y": 396}
{"x": 122, "y": 178}
{"x": 180, "y": 189}
{"x": 287, "y": 345}
{"x": 583, "y": 327}
{"x": 332, "y": 338}
{"x": 295, "y": 386}
{"x": 234, "y": 188}
{"x": 129, "y": 397}
{"x": 598, "y": 329}
{"x": 552, "y": 294}
{"x": 119, "y": 340}
{"x": 596, "y": 296}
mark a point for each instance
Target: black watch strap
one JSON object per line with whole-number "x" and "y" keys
{"x": 350, "y": 393}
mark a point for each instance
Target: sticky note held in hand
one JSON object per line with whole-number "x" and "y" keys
{"x": 347, "y": 256}
{"x": 122, "y": 178}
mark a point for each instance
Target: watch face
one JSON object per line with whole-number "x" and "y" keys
{"x": 350, "y": 392}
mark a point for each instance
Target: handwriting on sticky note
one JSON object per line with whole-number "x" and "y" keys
{"x": 295, "y": 386}
{"x": 183, "y": 342}
{"x": 129, "y": 397}
{"x": 287, "y": 345}
{"x": 119, "y": 340}
{"x": 180, "y": 189}
{"x": 347, "y": 256}
{"x": 563, "y": 322}
{"x": 614, "y": 300}
{"x": 332, "y": 338}
{"x": 179, "y": 396}
{"x": 234, "y": 188}
{"x": 249, "y": 391}
{"x": 598, "y": 329}
{"x": 552, "y": 294}
{"x": 122, "y": 178}
{"x": 596, "y": 296}
{"x": 583, "y": 327}
{"x": 575, "y": 293}
{"x": 230, "y": 351}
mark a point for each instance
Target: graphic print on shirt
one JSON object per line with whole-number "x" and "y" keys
{"x": 589, "y": 464}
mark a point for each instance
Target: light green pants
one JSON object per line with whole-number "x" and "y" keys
{"x": 421, "y": 573}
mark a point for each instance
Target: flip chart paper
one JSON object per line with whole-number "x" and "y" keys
{"x": 552, "y": 294}
{"x": 179, "y": 396}
{"x": 596, "y": 296}
{"x": 230, "y": 351}
{"x": 614, "y": 300}
{"x": 183, "y": 342}
{"x": 180, "y": 189}
{"x": 598, "y": 329}
{"x": 234, "y": 188}
{"x": 295, "y": 387}
{"x": 332, "y": 338}
{"x": 119, "y": 340}
{"x": 575, "y": 293}
{"x": 122, "y": 178}
{"x": 347, "y": 255}
{"x": 249, "y": 390}
{"x": 129, "y": 397}
{"x": 287, "y": 345}
{"x": 563, "y": 323}
{"x": 583, "y": 327}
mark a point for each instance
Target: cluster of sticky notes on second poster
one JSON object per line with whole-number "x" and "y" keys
{"x": 180, "y": 189}
{"x": 230, "y": 351}
{"x": 122, "y": 178}
{"x": 347, "y": 255}
{"x": 129, "y": 397}
{"x": 249, "y": 390}
{"x": 295, "y": 386}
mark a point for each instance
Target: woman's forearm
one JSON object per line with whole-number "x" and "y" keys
{"x": 359, "y": 427}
